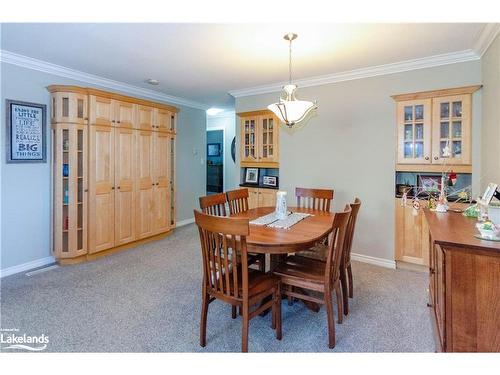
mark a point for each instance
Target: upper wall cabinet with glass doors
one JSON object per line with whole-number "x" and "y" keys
{"x": 259, "y": 142}
{"x": 434, "y": 128}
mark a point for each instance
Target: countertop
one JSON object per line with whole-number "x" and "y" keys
{"x": 260, "y": 186}
{"x": 454, "y": 229}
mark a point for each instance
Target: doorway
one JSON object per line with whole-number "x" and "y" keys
{"x": 215, "y": 161}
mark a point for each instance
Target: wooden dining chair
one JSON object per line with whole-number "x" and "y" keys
{"x": 214, "y": 204}
{"x": 318, "y": 199}
{"x": 227, "y": 280}
{"x": 320, "y": 251}
{"x": 238, "y": 200}
{"x": 323, "y": 277}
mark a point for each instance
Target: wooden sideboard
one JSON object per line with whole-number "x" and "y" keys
{"x": 464, "y": 285}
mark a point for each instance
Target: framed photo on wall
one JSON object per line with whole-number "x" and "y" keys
{"x": 26, "y": 129}
{"x": 252, "y": 176}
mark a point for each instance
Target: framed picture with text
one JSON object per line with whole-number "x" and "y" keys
{"x": 26, "y": 130}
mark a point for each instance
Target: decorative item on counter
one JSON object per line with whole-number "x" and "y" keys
{"x": 65, "y": 170}
{"x": 471, "y": 211}
{"x": 494, "y": 213}
{"x": 431, "y": 203}
{"x": 416, "y": 206}
{"x": 452, "y": 178}
{"x": 404, "y": 199}
{"x": 483, "y": 211}
{"x": 442, "y": 203}
{"x": 463, "y": 196}
{"x": 488, "y": 230}
{"x": 281, "y": 207}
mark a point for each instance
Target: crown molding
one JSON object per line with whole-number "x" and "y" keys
{"x": 486, "y": 37}
{"x": 61, "y": 71}
{"x": 373, "y": 71}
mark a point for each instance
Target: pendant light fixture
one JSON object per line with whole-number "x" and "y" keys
{"x": 289, "y": 109}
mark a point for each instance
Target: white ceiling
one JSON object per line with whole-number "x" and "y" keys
{"x": 202, "y": 62}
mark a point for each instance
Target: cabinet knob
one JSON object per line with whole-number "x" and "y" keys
{"x": 118, "y": 121}
{"x": 86, "y": 190}
{"x": 112, "y": 188}
{"x": 426, "y": 158}
{"x": 157, "y": 183}
{"x": 436, "y": 158}
{"x": 113, "y": 121}
{"x": 429, "y": 304}
{"x": 86, "y": 118}
{"x": 153, "y": 184}
{"x": 118, "y": 187}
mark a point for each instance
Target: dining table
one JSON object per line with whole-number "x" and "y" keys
{"x": 279, "y": 242}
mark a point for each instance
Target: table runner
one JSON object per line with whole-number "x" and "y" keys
{"x": 271, "y": 220}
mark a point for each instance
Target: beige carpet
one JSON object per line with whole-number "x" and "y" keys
{"x": 147, "y": 299}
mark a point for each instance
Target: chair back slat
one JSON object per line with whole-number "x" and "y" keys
{"x": 318, "y": 199}
{"x": 336, "y": 245}
{"x": 222, "y": 241}
{"x": 238, "y": 200}
{"x": 351, "y": 226}
{"x": 214, "y": 204}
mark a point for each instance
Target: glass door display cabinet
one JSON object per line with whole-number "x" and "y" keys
{"x": 414, "y": 131}
{"x": 259, "y": 145}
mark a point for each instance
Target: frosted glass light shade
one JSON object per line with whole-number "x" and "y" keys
{"x": 290, "y": 110}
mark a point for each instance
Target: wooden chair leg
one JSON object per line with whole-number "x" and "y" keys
{"x": 244, "y": 329}
{"x": 290, "y": 298}
{"x": 277, "y": 299}
{"x": 329, "y": 318}
{"x": 273, "y": 310}
{"x": 343, "y": 283}
{"x": 203, "y": 322}
{"x": 262, "y": 263}
{"x": 340, "y": 309}
{"x": 233, "y": 312}
{"x": 349, "y": 275}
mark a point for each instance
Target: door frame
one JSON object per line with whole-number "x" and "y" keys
{"x": 223, "y": 129}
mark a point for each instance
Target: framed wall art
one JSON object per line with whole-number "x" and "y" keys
{"x": 26, "y": 129}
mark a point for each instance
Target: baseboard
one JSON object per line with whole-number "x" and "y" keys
{"x": 374, "y": 260}
{"x": 26, "y": 266}
{"x": 184, "y": 222}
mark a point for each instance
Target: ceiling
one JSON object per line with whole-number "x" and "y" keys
{"x": 202, "y": 62}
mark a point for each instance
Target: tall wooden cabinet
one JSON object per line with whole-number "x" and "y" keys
{"x": 259, "y": 146}
{"x": 113, "y": 170}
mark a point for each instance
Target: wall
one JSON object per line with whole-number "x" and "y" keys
{"x": 26, "y": 188}
{"x": 350, "y": 144}
{"x": 490, "y": 67}
{"x": 227, "y": 122}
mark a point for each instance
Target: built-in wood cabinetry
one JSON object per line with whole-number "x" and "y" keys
{"x": 261, "y": 197}
{"x": 113, "y": 170}
{"x": 432, "y": 122}
{"x": 464, "y": 275}
{"x": 259, "y": 145}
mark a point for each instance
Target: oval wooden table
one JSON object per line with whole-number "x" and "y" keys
{"x": 278, "y": 242}
{"x": 301, "y": 236}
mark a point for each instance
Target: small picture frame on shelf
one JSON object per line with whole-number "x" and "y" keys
{"x": 270, "y": 181}
{"x": 252, "y": 176}
{"x": 429, "y": 183}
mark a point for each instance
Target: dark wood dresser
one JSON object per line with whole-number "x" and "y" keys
{"x": 464, "y": 286}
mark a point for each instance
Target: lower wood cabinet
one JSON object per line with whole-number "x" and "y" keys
{"x": 464, "y": 279}
{"x": 261, "y": 197}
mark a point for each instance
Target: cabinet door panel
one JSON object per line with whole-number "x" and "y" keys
{"x": 249, "y": 139}
{"x": 267, "y": 198}
{"x": 451, "y": 138}
{"x": 101, "y": 111}
{"x": 164, "y": 120}
{"x": 162, "y": 182}
{"x": 125, "y": 186}
{"x": 440, "y": 267}
{"x": 69, "y": 107}
{"x": 268, "y": 139}
{"x": 145, "y": 184}
{"x": 414, "y": 131}
{"x": 253, "y": 198}
{"x": 124, "y": 114}
{"x": 101, "y": 189}
{"x": 145, "y": 117}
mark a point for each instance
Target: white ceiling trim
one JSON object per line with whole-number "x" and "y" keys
{"x": 61, "y": 71}
{"x": 486, "y": 37}
{"x": 373, "y": 71}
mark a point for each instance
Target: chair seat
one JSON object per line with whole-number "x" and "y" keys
{"x": 302, "y": 268}
{"x": 258, "y": 281}
{"x": 318, "y": 252}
